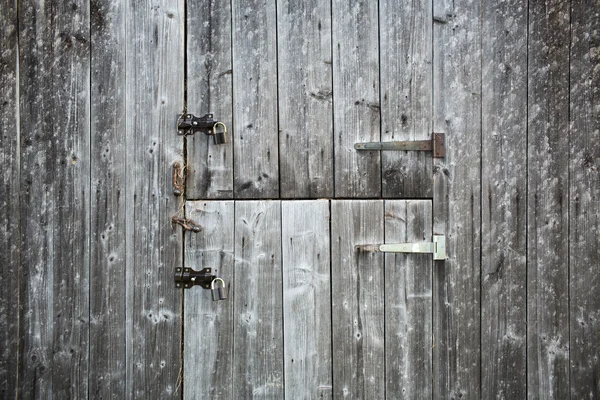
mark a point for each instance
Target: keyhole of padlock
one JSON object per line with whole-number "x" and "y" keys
{"x": 218, "y": 293}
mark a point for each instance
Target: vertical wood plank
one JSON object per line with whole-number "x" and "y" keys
{"x": 406, "y": 95}
{"x": 306, "y": 299}
{"x": 10, "y": 271}
{"x": 209, "y": 90}
{"x": 584, "y": 210}
{"x": 357, "y": 300}
{"x": 457, "y": 202}
{"x": 154, "y": 90}
{"x": 258, "y": 309}
{"x": 305, "y": 98}
{"x": 208, "y": 325}
{"x": 504, "y": 186}
{"x": 55, "y": 197}
{"x": 547, "y": 205}
{"x": 408, "y": 302}
{"x": 107, "y": 373}
{"x": 256, "y": 149}
{"x": 356, "y": 105}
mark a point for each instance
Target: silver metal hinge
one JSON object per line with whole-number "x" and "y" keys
{"x": 437, "y": 247}
{"x": 437, "y": 144}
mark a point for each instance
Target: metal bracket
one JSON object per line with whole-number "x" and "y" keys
{"x": 188, "y": 124}
{"x": 178, "y": 179}
{"x": 437, "y": 247}
{"x": 186, "y": 224}
{"x": 187, "y": 277}
{"x": 437, "y": 144}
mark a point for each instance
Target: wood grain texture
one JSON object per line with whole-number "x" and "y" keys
{"x": 584, "y": 209}
{"x": 305, "y": 98}
{"x": 357, "y": 300}
{"x": 548, "y": 202}
{"x": 457, "y": 191}
{"x": 208, "y": 325}
{"x": 258, "y": 298}
{"x": 408, "y": 302}
{"x": 356, "y": 105}
{"x": 209, "y": 90}
{"x": 256, "y": 138}
{"x": 154, "y": 89}
{"x": 107, "y": 374}
{"x": 306, "y": 299}
{"x": 10, "y": 271}
{"x": 55, "y": 198}
{"x": 406, "y": 96}
{"x": 504, "y": 188}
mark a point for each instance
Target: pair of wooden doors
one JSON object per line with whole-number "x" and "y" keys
{"x": 308, "y": 315}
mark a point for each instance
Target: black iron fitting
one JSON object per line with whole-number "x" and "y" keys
{"x": 187, "y": 277}
{"x": 188, "y": 124}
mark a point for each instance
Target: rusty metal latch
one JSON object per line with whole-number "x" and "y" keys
{"x": 188, "y": 124}
{"x": 436, "y": 144}
{"x": 437, "y": 247}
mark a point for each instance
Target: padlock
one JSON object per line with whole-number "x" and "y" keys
{"x": 220, "y": 137}
{"x": 218, "y": 293}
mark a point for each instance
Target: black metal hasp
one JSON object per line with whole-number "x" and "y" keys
{"x": 187, "y": 277}
{"x": 188, "y": 124}
{"x": 437, "y": 144}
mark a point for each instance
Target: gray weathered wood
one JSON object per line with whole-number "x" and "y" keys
{"x": 55, "y": 198}
{"x": 408, "y": 302}
{"x": 9, "y": 201}
{"x": 305, "y": 98}
{"x": 356, "y": 105}
{"x": 107, "y": 374}
{"x": 154, "y": 90}
{"x": 208, "y": 325}
{"x": 257, "y": 297}
{"x": 457, "y": 111}
{"x": 504, "y": 188}
{"x": 406, "y": 95}
{"x": 357, "y": 300}
{"x": 209, "y": 90}
{"x": 547, "y": 201}
{"x": 256, "y": 148}
{"x": 306, "y": 299}
{"x": 584, "y": 219}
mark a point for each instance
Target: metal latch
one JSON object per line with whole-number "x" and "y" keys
{"x": 436, "y": 144}
{"x": 188, "y": 124}
{"x": 187, "y": 277}
{"x": 437, "y": 247}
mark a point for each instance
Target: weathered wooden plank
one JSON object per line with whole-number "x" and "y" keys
{"x": 107, "y": 373}
{"x": 406, "y": 95}
{"x": 408, "y": 302}
{"x": 306, "y": 299}
{"x": 208, "y": 325}
{"x": 357, "y": 300}
{"x": 584, "y": 210}
{"x": 547, "y": 201}
{"x": 504, "y": 188}
{"x": 55, "y": 198}
{"x": 209, "y": 90}
{"x": 356, "y": 105}
{"x": 305, "y": 98}
{"x": 256, "y": 139}
{"x": 154, "y": 90}
{"x": 9, "y": 201}
{"x": 457, "y": 203}
{"x": 257, "y": 296}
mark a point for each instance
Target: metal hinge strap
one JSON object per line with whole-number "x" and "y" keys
{"x": 437, "y": 247}
{"x": 436, "y": 144}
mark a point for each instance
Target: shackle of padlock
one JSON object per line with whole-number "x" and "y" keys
{"x": 218, "y": 293}
{"x": 219, "y": 137}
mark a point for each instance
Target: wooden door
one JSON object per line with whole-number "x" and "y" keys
{"x": 308, "y": 315}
